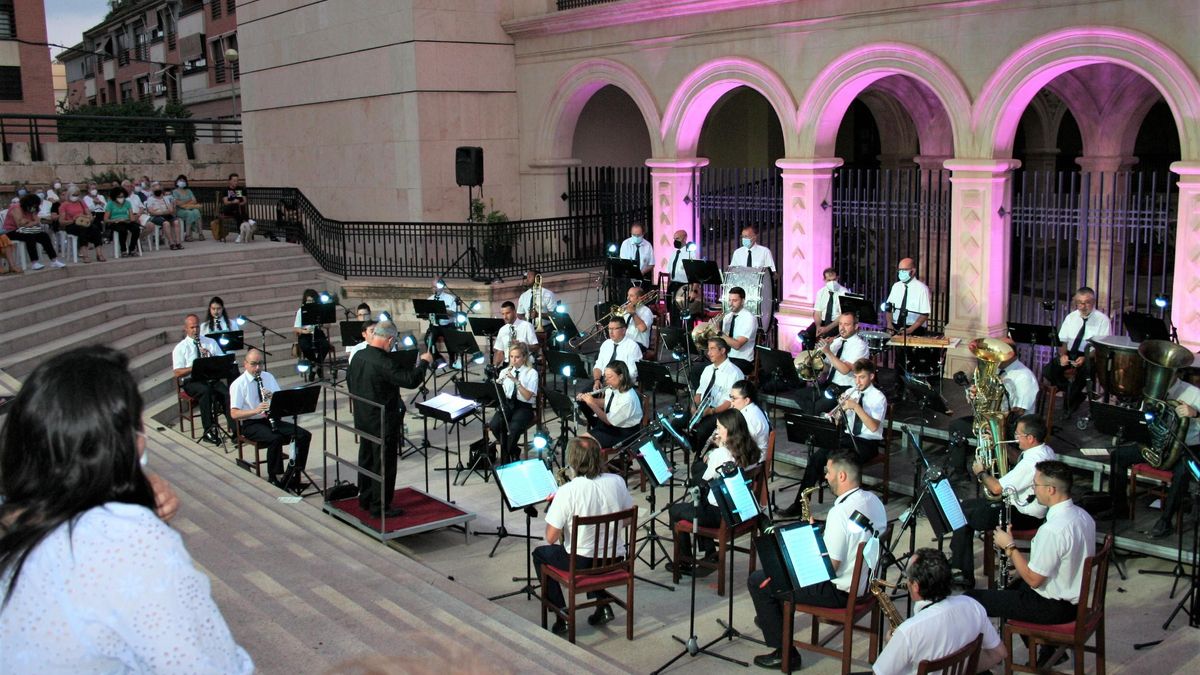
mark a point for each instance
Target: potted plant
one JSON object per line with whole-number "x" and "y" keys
{"x": 498, "y": 240}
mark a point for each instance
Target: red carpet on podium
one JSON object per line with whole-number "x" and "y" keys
{"x": 419, "y": 509}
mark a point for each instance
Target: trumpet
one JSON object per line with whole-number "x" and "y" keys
{"x": 838, "y": 414}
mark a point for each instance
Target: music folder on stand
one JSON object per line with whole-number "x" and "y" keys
{"x": 865, "y": 311}
{"x": 293, "y": 403}
{"x": 484, "y": 394}
{"x": 523, "y": 485}
{"x": 702, "y": 271}
{"x": 654, "y": 464}
{"x": 351, "y": 332}
{"x": 449, "y": 409}
{"x": 234, "y": 340}
{"x": 209, "y": 368}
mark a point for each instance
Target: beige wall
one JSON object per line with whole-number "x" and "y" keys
{"x": 77, "y": 161}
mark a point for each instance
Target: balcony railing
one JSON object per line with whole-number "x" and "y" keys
{"x": 575, "y": 4}
{"x": 37, "y": 130}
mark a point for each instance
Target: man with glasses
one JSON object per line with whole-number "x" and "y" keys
{"x": 250, "y": 402}
{"x": 1074, "y": 337}
{"x": 984, "y": 514}
{"x": 1048, "y": 589}
{"x": 618, "y": 347}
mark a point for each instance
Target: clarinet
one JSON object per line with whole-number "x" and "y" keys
{"x": 265, "y": 397}
{"x": 1006, "y": 497}
{"x": 200, "y": 349}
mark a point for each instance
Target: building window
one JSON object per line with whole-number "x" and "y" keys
{"x": 216, "y": 9}
{"x": 144, "y": 90}
{"x": 196, "y": 65}
{"x": 10, "y": 83}
{"x": 190, "y": 6}
{"x": 218, "y": 55}
{"x": 230, "y": 7}
{"x": 8, "y": 20}
{"x": 126, "y": 91}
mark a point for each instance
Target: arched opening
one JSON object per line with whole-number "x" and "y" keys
{"x": 741, "y": 131}
{"x": 610, "y": 131}
{"x": 858, "y": 142}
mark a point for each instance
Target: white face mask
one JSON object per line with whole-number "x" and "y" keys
{"x": 637, "y": 238}
{"x": 904, "y": 275}
{"x": 74, "y": 198}
{"x": 41, "y": 194}
{"x": 93, "y": 192}
{"x": 143, "y": 185}
{"x": 58, "y": 186}
{"x": 831, "y": 285}
{"x": 181, "y": 183}
{"x": 747, "y": 242}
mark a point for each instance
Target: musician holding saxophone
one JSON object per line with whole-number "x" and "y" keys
{"x": 615, "y": 411}
{"x": 739, "y": 328}
{"x": 941, "y": 624}
{"x": 984, "y": 513}
{"x": 520, "y": 384}
{"x": 618, "y": 347}
{"x": 213, "y": 395}
{"x": 250, "y": 404}
{"x": 513, "y": 331}
{"x": 712, "y": 395}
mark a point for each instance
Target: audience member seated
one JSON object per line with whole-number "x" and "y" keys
{"x": 187, "y": 209}
{"x": 21, "y": 224}
{"x": 120, "y": 218}
{"x": 162, "y": 215}
{"x": 77, "y": 221}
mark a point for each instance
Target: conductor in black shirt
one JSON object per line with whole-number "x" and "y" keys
{"x": 376, "y": 375}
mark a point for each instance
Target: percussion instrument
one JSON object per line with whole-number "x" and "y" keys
{"x": 924, "y": 341}
{"x": 877, "y": 340}
{"x": 1118, "y": 366}
{"x": 757, "y": 284}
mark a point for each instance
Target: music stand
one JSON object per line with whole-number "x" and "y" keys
{"x": 483, "y": 393}
{"x": 461, "y": 343}
{"x": 563, "y": 406}
{"x": 523, "y": 485}
{"x": 812, "y": 430}
{"x": 655, "y": 464}
{"x": 1033, "y": 334}
{"x": 567, "y": 365}
{"x": 864, "y": 310}
{"x": 927, "y": 397}
{"x": 211, "y": 368}
{"x": 794, "y": 557}
{"x": 351, "y": 332}
{"x": 702, "y": 271}
{"x": 450, "y": 410}
{"x": 777, "y": 365}
{"x": 564, "y": 324}
{"x": 1142, "y": 327}
{"x": 293, "y": 403}
{"x": 233, "y": 339}
{"x": 1127, "y": 425}
{"x": 318, "y": 313}
{"x": 427, "y": 308}
{"x": 622, "y": 268}
{"x": 656, "y": 377}
{"x": 488, "y": 327}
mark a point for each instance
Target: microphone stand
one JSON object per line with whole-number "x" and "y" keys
{"x": 263, "y": 330}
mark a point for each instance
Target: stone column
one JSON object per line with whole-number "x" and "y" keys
{"x": 542, "y": 187}
{"x": 671, "y": 182}
{"x": 979, "y": 249}
{"x": 1185, "y": 293}
{"x": 807, "y": 241}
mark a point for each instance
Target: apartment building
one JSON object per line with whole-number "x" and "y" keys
{"x": 26, "y": 85}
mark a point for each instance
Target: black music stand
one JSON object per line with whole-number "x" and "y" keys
{"x": 523, "y": 485}
{"x": 567, "y": 365}
{"x": 1142, "y": 326}
{"x": 484, "y": 394}
{"x": 321, "y": 314}
{"x": 564, "y": 324}
{"x": 1034, "y": 334}
{"x": 293, "y": 403}
{"x": 351, "y": 332}
{"x": 927, "y": 397}
{"x": 211, "y": 368}
{"x": 229, "y": 340}
{"x": 462, "y": 344}
{"x": 777, "y": 366}
{"x": 485, "y": 326}
{"x": 623, "y": 268}
{"x": 702, "y": 271}
{"x": 425, "y": 308}
{"x": 815, "y": 431}
{"x": 450, "y": 411}
{"x": 866, "y": 311}
{"x": 657, "y": 465}
{"x": 656, "y": 377}
{"x": 563, "y": 406}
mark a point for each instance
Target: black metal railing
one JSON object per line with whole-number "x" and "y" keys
{"x": 883, "y": 215}
{"x": 573, "y": 4}
{"x": 452, "y": 250}
{"x": 615, "y": 193}
{"x": 726, "y": 200}
{"x": 37, "y": 130}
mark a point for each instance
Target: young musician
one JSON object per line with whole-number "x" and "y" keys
{"x": 618, "y": 347}
{"x": 513, "y": 331}
{"x": 213, "y": 395}
{"x": 616, "y": 413}
{"x": 712, "y": 395}
{"x": 842, "y": 352}
{"x": 738, "y": 330}
{"x": 519, "y": 382}
{"x": 744, "y": 398}
{"x": 250, "y": 400}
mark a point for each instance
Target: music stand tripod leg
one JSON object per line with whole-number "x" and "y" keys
{"x": 529, "y": 587}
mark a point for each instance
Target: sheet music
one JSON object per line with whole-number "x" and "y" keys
{"x": 949, "y": 503}
{"x": 451, "y": 404}
{"x": 806, "y": 555}
{"x": 744, "y": 505}
{"x": 526, "y": 482}
{"x": 658, "y": 465}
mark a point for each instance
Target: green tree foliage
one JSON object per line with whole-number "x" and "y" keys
{"x": 156, "y": 125}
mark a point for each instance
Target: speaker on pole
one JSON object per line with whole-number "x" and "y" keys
{"x": 468, "y": 166}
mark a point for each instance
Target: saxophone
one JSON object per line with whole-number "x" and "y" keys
{"x": 879, "y": 588}
{"x": 1167, "y": 429}
{"x": 988, "y": 407}
{"x": 805, "y": 509}
{"x": 563, "y": 475}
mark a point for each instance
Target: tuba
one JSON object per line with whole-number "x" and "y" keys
{"x": 809, "y": 365}
{"x": 709, "y": 329}
{"x": 988, "y": 406}
{"x": 1167, "y": 428}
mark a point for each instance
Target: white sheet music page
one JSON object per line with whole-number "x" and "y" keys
{"x": 452, "y": 405}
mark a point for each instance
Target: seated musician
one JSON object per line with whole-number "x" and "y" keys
{"x": 637, "y": 249}
{"x": 676, "y": 272}
{"x": 1020, "y": 389}
{"x": 1048, "y": 590}
{"x": 1074, "y": 336}
{"x": 1127, "y": 454}
{"x": 941, "y": 624}
{"x": 862, "y": 413}
{"x": 519, "y": 382}
{"x": 841, "y": 352}
{"x": 541, "y": 306}
{"x": 744, "y": 399}
{"x": 826, "y": 309}
{"x": 844, "y": 474}
{"x": 589, "y": 493}
{"x": 448, "y": 300}
{"x": 213, "y": 395}
{"x": 638, "y": 317}
{"x": 513, "y": 331}
{"x": 368, "y": 331}
{"x": 739, "y": 329}
{"x": 751, "y": 253}
{"x": 712, "y": 394}
{"x": 984, "y": 514}
{"x": 363, "y": 312}
{"x": 250, "y": 400}
{"x": 616, "y": 413}
{"x": 731, "y": 442}
{"x": 618, "y": 347}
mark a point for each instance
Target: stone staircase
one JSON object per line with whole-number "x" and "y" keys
{"x": 137, "y": 305}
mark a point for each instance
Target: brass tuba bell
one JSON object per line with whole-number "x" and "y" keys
{"x": 1167, "y": 429}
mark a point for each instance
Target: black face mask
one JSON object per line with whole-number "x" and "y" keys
{"x": 158, "y": 193}
{"x": 678, "y": 244}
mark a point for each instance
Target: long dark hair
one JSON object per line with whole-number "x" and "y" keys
{"x": 309, "y": 293}
{"x": 69, "y": 444}
{"x": 738, "y": 440}
{"x": 208, "y": 317}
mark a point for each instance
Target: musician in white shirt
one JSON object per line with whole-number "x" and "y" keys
{"x": 618, "y": 347}
{"x": 515, "y": 330}
{"x": 712, "y": 394}
{"x": 218, "y": 319}
{"x": 617, "y": 412}
{"x": 739, "y": 328}
{"x": 519, "y": 383}
{"x": 526, "y": 304}
{"x": 368, "y": 332}
{"x": 751, "y": 253}
{"x": 744, "y": 398}
{"x": 842, "y": 353}
{"x": 910, "y": 301}
{"x": 448, "y": 300}
{"x": 638, "y": 317}
{"x": 1074, "y": 349}
{"x": 677, "y": 273}
{"x": 1020, "y": 396}
{"x": 251, "y": 407}
{"x": 827, "y": 307}
{"x": 637, "y": 249}
{"x": 213, "y": 395}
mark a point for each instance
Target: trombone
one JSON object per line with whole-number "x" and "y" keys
{"x": 618, "y": 311}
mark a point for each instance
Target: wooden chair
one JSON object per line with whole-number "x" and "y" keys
{"x": 256, "y": 467}
{"x": 1164, "y": 476}
{"x": 1088, "y": 622}
{"x": 623, "y": 463}
{"x": 723, "y": 535}
{"x": 609, "y": 568}
{"x": 1047, "y": 397}
{"x": 184, "y": 399}
{"x": 965, "y": 661}
{"x": 847, "y": 617}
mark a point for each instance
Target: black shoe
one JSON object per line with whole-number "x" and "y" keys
{"x": 963, "y": 581}
{"x": 1046, "y": 653}
{"x": 774, "y": 660}
{"x": 211, "y": 436}
{"x": 711, "y": 557}
{"x": 559, "y": 627}
{"x": 274, "y": 480}
{"x": 601, "y": 616}
{"x": 685, "y": 568}
{"x": 390, "y": 512}
{"x": 1162, "y": 528}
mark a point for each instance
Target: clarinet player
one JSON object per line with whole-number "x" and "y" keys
{"x": 250, "y": 401}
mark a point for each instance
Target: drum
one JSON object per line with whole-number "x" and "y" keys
{"x": 876, "y": 339}
{"x": 757, "y": 284}
{"x": 1117, "y": 366}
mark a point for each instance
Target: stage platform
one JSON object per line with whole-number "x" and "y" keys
{"x": 422, "y": 513}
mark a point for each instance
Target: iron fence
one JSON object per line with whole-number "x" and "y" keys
{"x": 726, "y": 200}
{"x": 37, "y": 130}
{"x": 620, "y": 195}
{"x": 883, "y": 215}
{"x": 572, "y": 4}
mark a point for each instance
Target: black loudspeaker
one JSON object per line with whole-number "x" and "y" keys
{"x": 468, "y": 166}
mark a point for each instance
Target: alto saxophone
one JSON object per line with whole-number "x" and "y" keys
{"x": 805, "y": 509}
{"x": 879, "y": 588}
{"x": 563, "y": 475}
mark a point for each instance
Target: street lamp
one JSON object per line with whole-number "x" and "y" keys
{"x": 231, "y": 59}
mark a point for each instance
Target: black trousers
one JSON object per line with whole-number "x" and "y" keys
{"x": 380, "y": 460}
{"x": 87, "y": 235}
{"x": 127, "y": 234}
{"x": 609, "y": 436}
{"x": 555, "y": 555}
{"x": 961, "y": 430}
{"x": 709, "y": 515}
{"x": 213, "y": 396}
{"x": 260, "y": 431}
{"x": 32, "y": 240}
{"x": 315, "y": 347}
{"x": 1056, "y": 374}
{"x": 865, "y": 448}
{"x": 746, "y": 366}
{"x": 982, "y": 515}
{"x": 768, "y": 606}
{"x": 1024, "y": 604}
{"x": 520, "y": 418}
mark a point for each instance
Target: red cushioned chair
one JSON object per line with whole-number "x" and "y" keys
{"x": 609, "y": 568}
{"x": 191, "y": 403}
{"x": 847, "y": 617}
{"x": 1074, "y": 634}
{"x": 1164, "y": 476}
{"x": 989, "y": 550}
